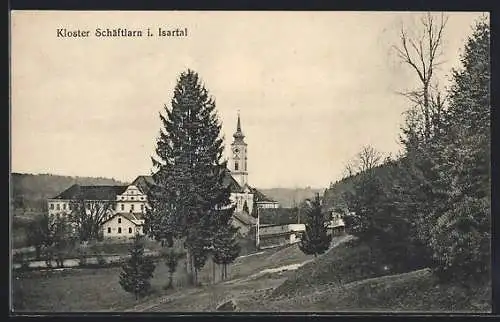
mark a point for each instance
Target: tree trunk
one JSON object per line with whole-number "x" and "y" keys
{"x": 213, "y": 271}
{"x": 170, "y": 280}
{"x": 189, "y": 266}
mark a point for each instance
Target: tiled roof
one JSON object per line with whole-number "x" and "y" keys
{"x": 91, "y": 192}
{"x": 260, "y": 197}
{"x": 142, "y": 183}
{"x": 134, "y": 218}
{"x": 244, "y": 218}
{"x": 278, "y": 216}
{"x": 234, "y": 186}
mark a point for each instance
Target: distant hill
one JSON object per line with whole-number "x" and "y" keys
{"x": 289, "y": 197}
{"x": 333, "y": 196}
{"x": 30, "y": 191}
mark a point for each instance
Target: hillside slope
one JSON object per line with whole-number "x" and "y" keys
{"x": 344, "y": 279}
{"x": 30, "y": 191}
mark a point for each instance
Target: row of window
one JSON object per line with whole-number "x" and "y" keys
{"x": 58, "y": 206}
{"x": 120, "y": 230}
{"x": 131, "y": 198}
{"x": 122, "y": 206}
{"x": 132, "y": 208}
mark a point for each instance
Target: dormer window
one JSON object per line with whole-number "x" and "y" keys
{"x": 236, "y": 166}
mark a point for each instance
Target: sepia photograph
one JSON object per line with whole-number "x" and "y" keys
{"x": 250, "y": 161}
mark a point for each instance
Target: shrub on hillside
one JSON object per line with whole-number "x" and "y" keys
{"x": 137, "y": 270}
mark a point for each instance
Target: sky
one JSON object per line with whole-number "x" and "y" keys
{"x": 312, "y": 88}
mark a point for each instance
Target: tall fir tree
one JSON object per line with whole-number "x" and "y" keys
{"x": 460, "y": 231}
{"x": 315, "y": 240}
{"x": 137, "y": 270}
{"x": 188, "y": 199}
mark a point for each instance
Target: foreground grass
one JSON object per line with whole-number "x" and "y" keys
{"x": 348, "y": 279}
{"x": 76, "y": 290}
{"x": 340, "y": 280}
{"x": 90, "y": 289}
{"x": 417, "y": 291}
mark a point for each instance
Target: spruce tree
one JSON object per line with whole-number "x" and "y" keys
{"x": 137, "y": 270}
{"x": 460, "y": 233}
{"x": 188, "y": 192}
{"x": 226, "y": 248}
{"x": 315, "y": 239}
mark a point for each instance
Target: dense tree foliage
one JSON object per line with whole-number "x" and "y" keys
{"x": 432, "y": 206}
{"x": 226, "y": 248}
{"x": 316, "y": 240}
{"x": 88, "y": 216}
{"x": 188, "y": 199}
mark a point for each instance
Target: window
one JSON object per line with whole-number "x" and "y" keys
{"x": 236, "y": 166}
{"x": 119, "y": 230}
{"x": 64, "y": 206}
{"x": 119, "y": 220}
{"x": 122, "y": 207}
{"x": 131, "y": 207}
{"x": 142, "y": 207}
{"x": 58, "y": 207}
{"x": 109, "y": 230}
{"x": 69, "y": 206}
{"x": 129, "y": 230}
{"x": 131, "y": 198}
{"x": 51, "y": 206}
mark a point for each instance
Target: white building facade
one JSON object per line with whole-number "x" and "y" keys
{"x": 126, "y": 205}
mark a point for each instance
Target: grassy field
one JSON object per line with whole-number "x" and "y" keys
{"x": 99, "y": 290}
{"x": 340, "y": 280}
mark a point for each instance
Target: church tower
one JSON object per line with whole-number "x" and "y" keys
{"x": 238, "y": 162}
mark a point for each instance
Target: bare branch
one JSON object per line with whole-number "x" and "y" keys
{"x": 425, "y": 51}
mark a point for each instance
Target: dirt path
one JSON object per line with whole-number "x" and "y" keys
{"x": 248, "y": 291}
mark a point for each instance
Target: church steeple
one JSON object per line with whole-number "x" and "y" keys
{"x": 238, "y": 164}
{"x": 238, "y": 135}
